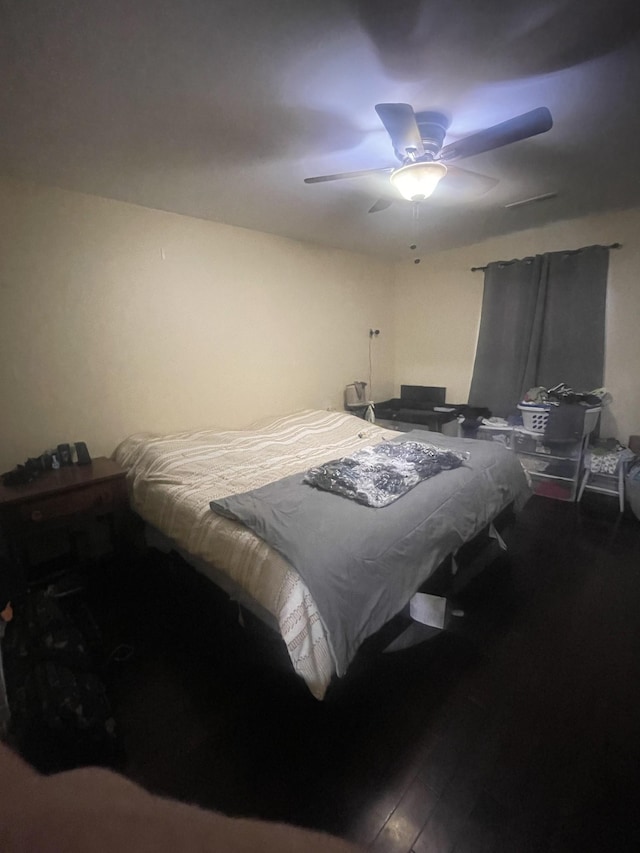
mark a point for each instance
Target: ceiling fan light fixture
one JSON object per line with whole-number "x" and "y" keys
{"x": 417, "y": 181}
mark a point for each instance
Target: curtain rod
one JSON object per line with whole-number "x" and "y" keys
{"x": 610, "y": 246}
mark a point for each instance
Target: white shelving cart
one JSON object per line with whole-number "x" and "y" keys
{"x": 554, "y": 468}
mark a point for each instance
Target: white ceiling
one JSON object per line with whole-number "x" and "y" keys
{"x": 219, "y": 108}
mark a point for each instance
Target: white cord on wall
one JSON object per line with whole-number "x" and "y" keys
{"x": 373, "y": 333}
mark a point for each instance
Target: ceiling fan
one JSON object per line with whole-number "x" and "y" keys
{"x": 417, "y": 140}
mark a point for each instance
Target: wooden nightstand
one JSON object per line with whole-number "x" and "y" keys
{"x": 66, "y": 498}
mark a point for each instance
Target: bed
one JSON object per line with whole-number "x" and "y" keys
{"x": 174, "y": 480}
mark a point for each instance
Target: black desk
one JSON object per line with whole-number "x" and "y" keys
{"x": 401, "y": 426}
{"x": 417, "y": 418}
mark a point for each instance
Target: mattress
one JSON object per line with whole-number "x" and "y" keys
{"x": 174, "y": 479}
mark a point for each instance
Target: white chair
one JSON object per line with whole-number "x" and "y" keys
{"x": 606, "y": 479}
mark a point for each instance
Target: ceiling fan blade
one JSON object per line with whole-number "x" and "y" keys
{"x": 381, "y": 204}
{"x": 320, "y": 179}
{"x": 401, "y": 125}
{"x": 465, "y": 181}
{"x": 514, "y": 129}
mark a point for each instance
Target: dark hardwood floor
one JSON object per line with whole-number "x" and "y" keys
{"x": 517, "y": 729}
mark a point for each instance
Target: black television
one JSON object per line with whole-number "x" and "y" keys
{"x": 429, "y": 394}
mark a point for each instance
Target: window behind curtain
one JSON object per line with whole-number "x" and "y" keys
{"x": 543, "y": 322}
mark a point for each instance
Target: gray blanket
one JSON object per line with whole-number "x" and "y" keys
{"x": 362, "y": 564}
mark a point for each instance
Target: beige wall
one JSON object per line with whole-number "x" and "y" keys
{"x": 438, "y": 305}
{"x": 116, "y": 319}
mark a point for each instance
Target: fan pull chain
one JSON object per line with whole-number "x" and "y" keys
{"x": 415, "y": 217}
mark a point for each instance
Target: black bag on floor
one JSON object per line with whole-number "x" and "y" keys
{"x": 60, "y": 711}
{"x": 63, "y": 719}
{"x": 41, "y": 631}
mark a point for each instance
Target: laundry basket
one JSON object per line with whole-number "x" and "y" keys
{"x": 534, "y": 418}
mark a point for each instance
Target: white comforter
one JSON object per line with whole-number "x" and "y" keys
{"x": 173, "y": 478}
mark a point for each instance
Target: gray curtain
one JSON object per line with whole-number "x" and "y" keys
{"x": 542, "y": 323}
